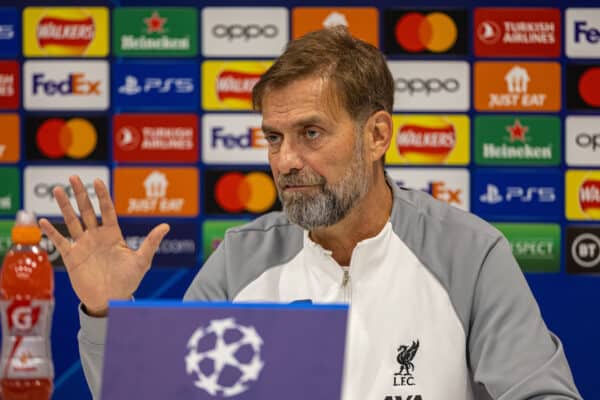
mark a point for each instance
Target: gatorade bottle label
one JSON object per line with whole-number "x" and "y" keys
{"x": 26, "y": 352}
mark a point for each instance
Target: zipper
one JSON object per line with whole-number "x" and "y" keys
{"x": 346, "y": 285}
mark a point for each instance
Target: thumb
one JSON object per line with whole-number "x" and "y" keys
{"x": 151, "y": 243}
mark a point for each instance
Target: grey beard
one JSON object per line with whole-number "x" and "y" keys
{"x": 332, "y": 202}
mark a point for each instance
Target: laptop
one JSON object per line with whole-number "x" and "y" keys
{"x": 206, "y": 350}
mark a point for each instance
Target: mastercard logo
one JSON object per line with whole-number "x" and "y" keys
{"x": 75, "y": 138}
{"x": 253, "y": 192}
{"x": 588, "y": 86}
{"x": 417, "y": 32}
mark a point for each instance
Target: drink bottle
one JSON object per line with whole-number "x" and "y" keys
{"x": 26, "y": 305}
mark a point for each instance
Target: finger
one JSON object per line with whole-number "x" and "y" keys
{"x": 107, "y": 209}
{"x": 151, "y": 243}
{"x": 62, "y": 244}
{"x": 69, "y": 215}
{"x": 83, "y": 202}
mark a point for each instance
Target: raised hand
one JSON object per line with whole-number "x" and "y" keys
{"x": 100, "y": 265}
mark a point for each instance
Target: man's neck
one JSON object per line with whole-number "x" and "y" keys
{"x": 364, "y": 221}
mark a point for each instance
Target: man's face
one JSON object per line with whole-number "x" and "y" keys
{"x": 317, "y": 158}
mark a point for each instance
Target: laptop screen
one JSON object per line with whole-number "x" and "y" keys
{"x": 206, "y": 350}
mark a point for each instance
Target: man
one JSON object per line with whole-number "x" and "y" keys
{"x": 439, "y": 307}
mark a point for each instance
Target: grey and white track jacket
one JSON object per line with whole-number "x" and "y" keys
{"x": 439, "y": 308}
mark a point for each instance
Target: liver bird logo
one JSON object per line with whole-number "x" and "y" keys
{"x": 405, "y": 356}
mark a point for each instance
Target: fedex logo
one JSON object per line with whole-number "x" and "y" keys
{"x": 233, "y": 139}
{"x": 65, "y": 85}
{"x": 519, "y": 194}
{"x": 584, "y": 31}
{"x": 75, "y": 84}
{"x": 252, "y": 137}
{"x": 440, "y": 191}
{"x": 582, "y": 28}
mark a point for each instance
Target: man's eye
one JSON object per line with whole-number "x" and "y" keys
{"x": 272, "y": 139}
{"x": 312, "y": 133}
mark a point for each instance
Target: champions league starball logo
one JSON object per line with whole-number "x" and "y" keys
{"x": 224, "y": 357}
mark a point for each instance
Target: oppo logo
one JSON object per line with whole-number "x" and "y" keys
{"x": 43, "y": 190}
{"x": 427, "y": 86}
{"x": 586, "y": 140}
{"x": 247, "y": 32}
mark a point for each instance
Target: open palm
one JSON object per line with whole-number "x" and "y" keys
{"x": 100, "y": 265}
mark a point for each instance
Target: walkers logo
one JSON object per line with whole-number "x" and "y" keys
{"x": 430, "y": 85}
{"x": 445, "y": 184}
{"x": 156, "y": 85}
{"x": 213, "y": 233}
{"x": 155, "y": 138}
{"x": 583, "y": 249}
{"x": 244, "y": 31}
{"x": 232, "y": 192}
{"x": 155, "y": 32}
{"x": 69, "y": 138}
{"x": 518, "y": 194}
{"x": 9, "y": 85}
{"x": 583, "y": 195}
{"x": 9, "y": 32}
{"x": 517, "y": 32}
{"x": 508, "y": 140}
{"x": 582, "y": 140}
{"x": 362, "y": 22}
{"x": 65, "y": 32}
{"x": 535, "y": 246}
{"x": 582, "y": 32}
{"x": 425, "y": 32}
{"x": 65, "y": 85}
{"x": 583, "y": 87}
{"x": 233, "y": 139}
{"x": 228, "y": 84}
{"x": 40, "y": 181}
{"x": 177, "y": 249}
{"x": 429, "y": 139}
{"x": 5, "y": 237}
{"x": 527, "y": 86}
{"x": 10, "y": 191}
{"x": 10, "y": 147}
{"x": 156, "y": 192}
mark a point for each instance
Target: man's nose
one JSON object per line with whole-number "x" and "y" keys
{"x": 290, "y": 157}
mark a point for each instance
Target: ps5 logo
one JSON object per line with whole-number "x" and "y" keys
{"x": 542, "y": 194}
{"x": 132, "y": 87}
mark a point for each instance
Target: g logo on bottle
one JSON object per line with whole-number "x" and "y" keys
{"x": 22, "y": 316}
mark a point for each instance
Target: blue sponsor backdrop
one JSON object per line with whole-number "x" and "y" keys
{"x": 155, "y": 85}
{"x": 518, "y": 194}
{"x": 568, "y": 302}
{"x": 10, "y": 32}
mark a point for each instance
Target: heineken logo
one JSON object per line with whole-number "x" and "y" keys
{"x": 501, "y": 140}
{"x": 160, "y": 31}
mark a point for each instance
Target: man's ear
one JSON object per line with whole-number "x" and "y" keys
{"x": 379, "y": 134}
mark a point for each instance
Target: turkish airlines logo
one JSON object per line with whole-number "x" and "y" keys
{"x": 75, "y": 138}
{"x": 582, "y": 32}
{"x": 583, "y": 86}
{"x": 9, "y": 85}
{"x": 524, "y": 32}
{"x": 156, "y": 137}
{"x": 432, "y": 85}
{"x": 515, "y": 87}
{"x": 240, "y": 191}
